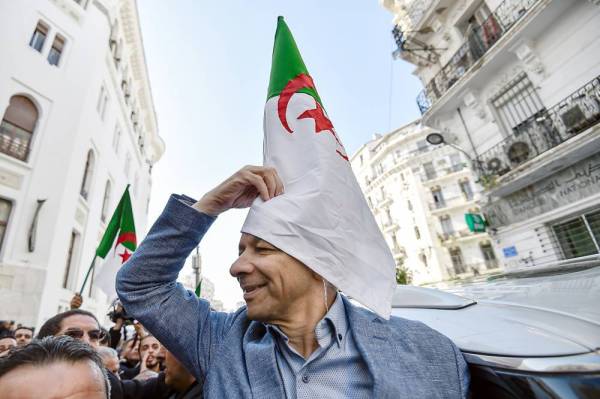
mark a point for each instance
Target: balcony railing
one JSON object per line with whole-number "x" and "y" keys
{"x": 481, "y": 38}
{"x": 544, "y": 130}
{"x": 14, "y": 141}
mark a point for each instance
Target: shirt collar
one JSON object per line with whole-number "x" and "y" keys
{"x": 333, "y": 325}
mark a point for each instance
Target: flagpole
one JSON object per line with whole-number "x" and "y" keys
{"x": 87, "y": 275}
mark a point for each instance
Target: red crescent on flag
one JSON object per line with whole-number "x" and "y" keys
{"x": 126, "y": 237}
{"x": 301, "y": 81}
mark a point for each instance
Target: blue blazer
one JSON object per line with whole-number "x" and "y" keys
{"x": 235, "y": 357}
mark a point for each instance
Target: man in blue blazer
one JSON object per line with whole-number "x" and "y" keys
{"x": 297, "y": 337}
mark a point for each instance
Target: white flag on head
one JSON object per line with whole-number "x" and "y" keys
{"x": 322, "y": 219}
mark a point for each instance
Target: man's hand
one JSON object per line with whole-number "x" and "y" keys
{"x": 76, "y": 301}
{"x": 139, "y": 329}
{"x": 241, "y": 189}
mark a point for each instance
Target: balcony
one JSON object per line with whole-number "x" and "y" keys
{"x": 450, "y": 203}
{"x": 543, "y": 131}
{"x": 14, "y": 141}
{"x": 481, "y": 39}
{"x": 430, "y": 176}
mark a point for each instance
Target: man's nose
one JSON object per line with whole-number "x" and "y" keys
{"x": 242, "y": 265}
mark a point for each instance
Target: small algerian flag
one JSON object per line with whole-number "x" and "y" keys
{"x": 322, "y": 219}
{"x": 117, "y": 245}
{"x": 199, "y": 289}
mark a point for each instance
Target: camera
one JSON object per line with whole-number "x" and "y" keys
{"x": 118, "y": 312}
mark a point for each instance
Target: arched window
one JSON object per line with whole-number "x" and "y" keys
{"x": 86, "y": 183}
{"x": 105, "y": 201}
{"x": 16, "y": 129}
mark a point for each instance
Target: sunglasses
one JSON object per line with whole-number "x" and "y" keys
{"x": 94, "y": 335}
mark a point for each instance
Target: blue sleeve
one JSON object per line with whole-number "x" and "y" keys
{"x": 463, "y": 372}
{"x": 147, "y": 287}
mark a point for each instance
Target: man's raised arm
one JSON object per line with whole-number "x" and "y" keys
{"x": 147, "y": 285}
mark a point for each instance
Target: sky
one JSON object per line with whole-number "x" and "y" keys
{"x": 209, "y": 65}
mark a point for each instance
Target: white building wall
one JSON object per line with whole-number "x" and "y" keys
{"x": 557, "y": 44}
{"x": 68, "y": 127}
{"x": 390, "y": 172}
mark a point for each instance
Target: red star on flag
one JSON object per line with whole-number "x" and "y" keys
{"x": 321, "y": 121}
{"x": 124, "y": 256}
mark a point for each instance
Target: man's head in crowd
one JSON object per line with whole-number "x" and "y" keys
{"x": 53, "y": 367}
{"x": 275, "y": 284}
{"x": 76, "y": 323}
{"x": 7, "y": 342}
{"x": 24, "y": 335}
{"x": 131, "y": 351}
{"x": 150, "y": 347}
{"x": 177, "y": 376}
{"x": 110, "y": 359}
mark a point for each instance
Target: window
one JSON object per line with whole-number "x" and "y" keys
{"x": 457, "y": 260}
{"x": 580, "y": 236}
{"x": 489, "y": 257}
{"x": 388, "y": 215}
{"x": 465, "y": 187}
{"x": 438, "y": 198}
{"x": 447, "y": 227}
{"x": 5, "y": 209}
{"x": 17, "y": 126}
{"x": 429, "y": 170}
{"x": 409, "y": 204}
{"x": 105, "y": 201}
{"x": 70, "y": 272}
{"x": 86, "y": 183}
{"x": 423, "y": 259}
{"x": 39, "y": 36}
{"x": 456, "y": 162}
{"x": 116, "y": 139}
{"x": 102, "y": 102}
{"x": 417, "y": 233}
{"x": 395, "y": 242}
{"x": 56, "y": 50}
{"x": 517, "y": 102}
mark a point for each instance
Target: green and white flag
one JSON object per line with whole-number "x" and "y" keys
{"x": 322, "y": 219}
{"x": 117, "y": 245}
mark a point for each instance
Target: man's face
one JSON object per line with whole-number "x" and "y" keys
{"x": 83, "y": 328}
{"x": 272, "y": 280}
{"x": 79, "y": 380}
{"x": 150, "y": 346}
{"x": 6, "y": 344}
{"x": 131, "y": 352}
{"x": 23, "y": 336}
{"x": 112, "y": 364}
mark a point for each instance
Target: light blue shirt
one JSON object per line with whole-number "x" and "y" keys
{"x": 334, "y": 370}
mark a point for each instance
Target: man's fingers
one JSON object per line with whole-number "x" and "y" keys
{"x": 260, "y": 185}
{"x": 271, "y": 182}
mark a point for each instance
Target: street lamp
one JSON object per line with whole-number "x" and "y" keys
{"x": 438, "y": 138}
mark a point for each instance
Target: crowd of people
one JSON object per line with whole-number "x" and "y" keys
{"x": 121, "y": 362}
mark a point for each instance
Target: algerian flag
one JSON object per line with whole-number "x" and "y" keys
{"x": 322, "y": 219}
{"x": 117, "y": 245}
{"x": 199, "y": 289}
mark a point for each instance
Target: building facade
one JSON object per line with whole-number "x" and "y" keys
{"x": 516, "y": 83}
{"x": 419, "y": 195}
{"x": 78, "y": 124}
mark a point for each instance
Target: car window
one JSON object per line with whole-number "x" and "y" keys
{"x": 491, "y": 383}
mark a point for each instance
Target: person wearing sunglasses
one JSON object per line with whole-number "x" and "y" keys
{"x": 75, "y": 323}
